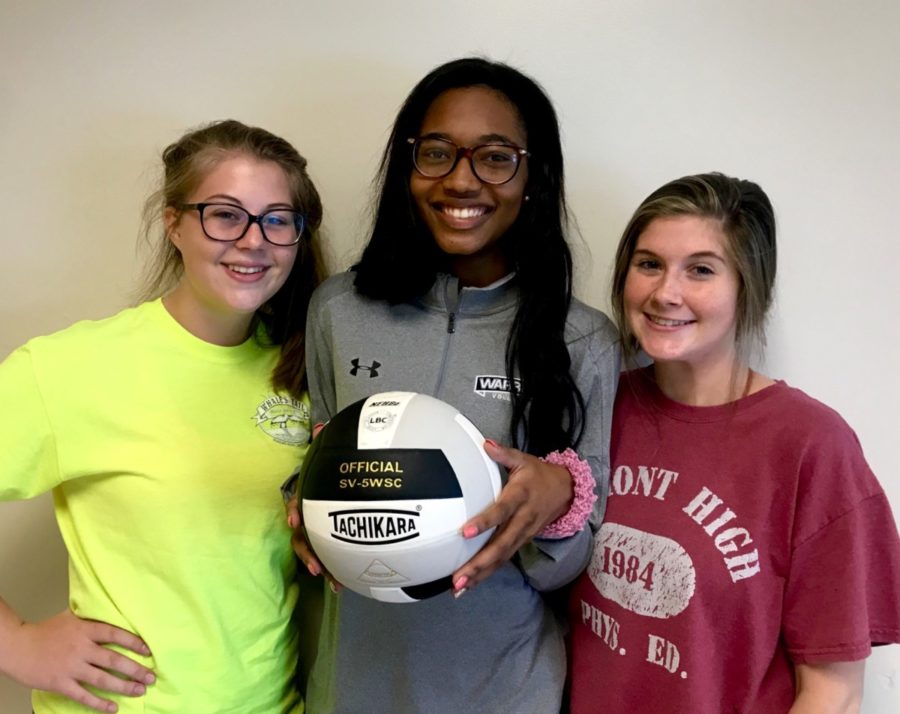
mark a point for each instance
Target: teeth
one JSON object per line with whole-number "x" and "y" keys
{"x": 245, "y": 269}
{"x": 668, "y": 323}
{"x": 472, "y": 212}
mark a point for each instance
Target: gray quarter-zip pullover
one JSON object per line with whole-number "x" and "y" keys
{"x": 498, "y": 649}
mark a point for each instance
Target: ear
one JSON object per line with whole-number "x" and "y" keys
{"x": 171, "y": 218}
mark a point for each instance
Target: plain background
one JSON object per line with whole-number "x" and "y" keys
{"x": 800, "y": 96}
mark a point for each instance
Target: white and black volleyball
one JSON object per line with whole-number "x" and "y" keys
{"x": 385, "y": 489}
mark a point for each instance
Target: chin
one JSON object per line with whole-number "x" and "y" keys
{"x": 661, "y": 354}
{"x": 245, "y": 307}
{"x": 458, "y": 245}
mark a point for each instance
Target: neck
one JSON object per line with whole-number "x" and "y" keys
{"x": 209, "y": 325}
{"x": 478, "y": 271}
{"x": 706, "y": 385}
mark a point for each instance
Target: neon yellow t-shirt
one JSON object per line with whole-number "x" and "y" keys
{"x": 165, "y": 454}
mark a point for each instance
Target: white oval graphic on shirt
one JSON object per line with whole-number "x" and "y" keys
{"x": 645, "y": 573}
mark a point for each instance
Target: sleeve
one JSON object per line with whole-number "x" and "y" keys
{"x": 843, "y": 589}
{"x": 552, "y": 563}
{"x": 319, "y": 366}
{"x": 29, "y": 465}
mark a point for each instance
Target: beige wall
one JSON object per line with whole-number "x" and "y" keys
{"x": 800, "y": 96}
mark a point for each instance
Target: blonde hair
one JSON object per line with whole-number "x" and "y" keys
{"x": 746, "y": 219}
{"x": 186, "y": 163}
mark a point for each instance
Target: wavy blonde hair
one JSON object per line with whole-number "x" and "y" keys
{"x": 186, "y": 163}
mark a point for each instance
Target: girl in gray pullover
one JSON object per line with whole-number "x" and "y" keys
{"x": 464, "y": 292}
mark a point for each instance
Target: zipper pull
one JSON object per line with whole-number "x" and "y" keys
{"x": 451, "y": 323}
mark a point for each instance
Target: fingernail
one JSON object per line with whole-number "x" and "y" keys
{"x": 146, "y": 649}
{"x": 313, "y": 569}
{"x": 319, "y": 425}
{"x": 293, "y": 520}
{"x": 333, "y": 587}
{"x": 470, "y": 531}
{"x": 459, "y": 593}
{"x": 138, "y": 690}
{"x": 461, "y": 583}
{"x": 491, "y": 442}
{"x": 149, "y": 678}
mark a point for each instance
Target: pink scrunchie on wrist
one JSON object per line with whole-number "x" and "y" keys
{"x": 573, "y": 520}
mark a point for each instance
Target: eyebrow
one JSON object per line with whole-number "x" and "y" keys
{"x": 707, "y": 254}
{"x": 237, "y": 202}
{"x": 481, "y": 140}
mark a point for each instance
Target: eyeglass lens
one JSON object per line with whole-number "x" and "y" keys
{"x": 491, "y": 163}
{"x": 228, "y": 223}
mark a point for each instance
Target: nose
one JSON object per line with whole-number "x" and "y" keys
{"x": 668, "y": 289}
{"x": 462, "y": 180}
{"x": 253, "y": 238}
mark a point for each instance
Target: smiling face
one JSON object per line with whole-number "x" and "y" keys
{"x": 466, "y": 217}
{"x": 681, "y": 292}
{"x": 224, "y": 284}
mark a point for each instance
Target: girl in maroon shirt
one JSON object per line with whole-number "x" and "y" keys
{"x": 748, "y": 559}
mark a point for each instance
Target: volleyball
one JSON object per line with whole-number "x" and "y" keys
{"x": 385, "y": 489}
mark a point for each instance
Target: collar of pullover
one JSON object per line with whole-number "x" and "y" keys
{"x": 445, "y": 295}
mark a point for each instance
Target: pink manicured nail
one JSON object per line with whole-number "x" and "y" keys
{"x": 313, "y": 569}
{"x": 491, "y": 442}
{"x": 461, "y": 583}
{"x": 470, "y": 531}
{"x": 292, "y": 521}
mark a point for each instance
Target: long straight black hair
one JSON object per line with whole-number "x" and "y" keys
{"x": 401, "y": 259}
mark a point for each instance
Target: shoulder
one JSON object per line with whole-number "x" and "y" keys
{"x": 335, "y": 292}
{"x": 590, "y": 327}
{"x": 87, "y": 335}
{"x": 801, "y": 417}
{"x": 70, "y": 358}
{"x": 336, "y": 285}
{"x": 821, "y": 435}
{"x": 338, "y": 304}
{"x": 833, "y": 476}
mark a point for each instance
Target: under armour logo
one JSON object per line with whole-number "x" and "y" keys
{"x": 372, "y": 368}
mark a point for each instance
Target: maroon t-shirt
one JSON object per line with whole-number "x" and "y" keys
{"x": 738, "y": 539}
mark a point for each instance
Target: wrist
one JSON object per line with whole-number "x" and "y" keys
{"x": 575, "y": 518}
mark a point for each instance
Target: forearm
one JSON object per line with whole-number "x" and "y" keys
{"x": 812, "y": 703}
{"x": 551, "y": 564}
{"x": 829, "y": 688}
{"x": 10, "y": 626}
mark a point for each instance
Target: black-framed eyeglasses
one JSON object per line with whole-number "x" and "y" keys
{"x": 491, "y": 163}
{"x": 227, "y": 223}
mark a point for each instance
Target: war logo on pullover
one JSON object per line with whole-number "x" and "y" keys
{"x": 496, "y": 386}
{"x": 356, "y": 368}
{"x": 285, "y": 419}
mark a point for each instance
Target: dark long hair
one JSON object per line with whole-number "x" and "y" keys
{"x": 402, "y": 259}
{"x": 186, "y": 163}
